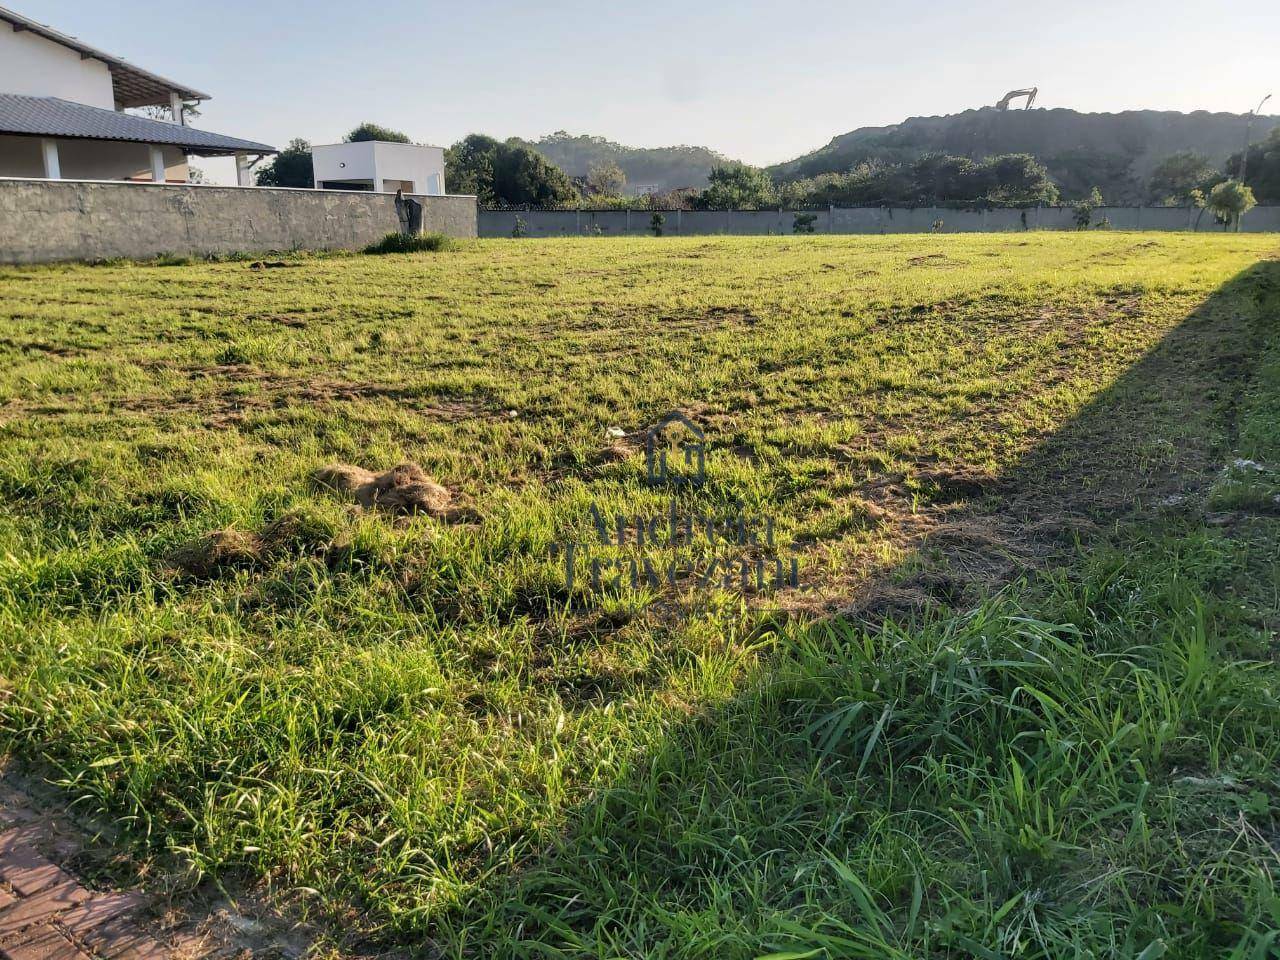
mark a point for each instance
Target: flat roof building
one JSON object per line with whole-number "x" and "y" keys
{"x": 379, "y": 166}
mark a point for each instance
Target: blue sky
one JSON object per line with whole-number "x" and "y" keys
{"x": 758, "y": 81}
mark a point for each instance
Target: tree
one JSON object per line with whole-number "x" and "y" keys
{"x": 1231, "y": 200}
{"x": 154, "y": 111}
{"x": 372, "y": 131}
{"x": 737, "y": 187}
{"x": 1012, "y": 179}
{"x": 468, "y": 167}
{"x": 291, "y": 167}
{"x": 1004, "y": 180}
{"x": 1262, "y": 172}
{"x": 1177, "y": 177}
{"x": 660, "y": 168}
{"x": 523, "y": 176}
{"x": 606, "y": 179}
{"x": 937, "y": 177}
{"x": 1084, "y": 208}
{"x": 505, "y": 173}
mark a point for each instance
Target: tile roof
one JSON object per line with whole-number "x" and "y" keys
{"x": 54, "y": 117}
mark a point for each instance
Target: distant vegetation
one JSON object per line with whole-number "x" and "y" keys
{"x": 736, "y": 187}
{"x": 507, "y": 173}
{"x": 647, "y": 169}
{"x": 1010, "y": 180}
{"x": 291, "y": 167}
{"x": 1181, "y": 178}
{"x": 1262, "y": 168}
{"x": 1168, "y": 159}
{"x": 372, "y": 131}
{"x": 1116, "y": 152}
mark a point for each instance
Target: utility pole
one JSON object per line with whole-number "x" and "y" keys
{"x": 1244, "y": 154}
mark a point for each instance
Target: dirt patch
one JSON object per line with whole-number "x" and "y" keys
{"x": 710, "y": 319}
{"x": 944, "y": 485}
{"x": 402, "y": 489}
{"x": 225, "y": 394}
{"x": 932, "y": 260}
{"x": 41, "y": 347}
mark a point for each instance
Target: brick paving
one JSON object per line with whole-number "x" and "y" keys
{"x": 46, "y": 914}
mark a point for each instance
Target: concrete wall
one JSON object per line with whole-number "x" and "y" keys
{"x": 48, "y": 220}
{"x": 555, "y": 223}
{"x": 35, "y": 67}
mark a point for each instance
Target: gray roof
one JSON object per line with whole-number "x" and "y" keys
{"x": 134, "y": 87}
{"x": 53, "y": 117}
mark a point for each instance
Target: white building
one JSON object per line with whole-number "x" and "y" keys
{"x": 379, "y": 166}
{"x": 62, "y": 106}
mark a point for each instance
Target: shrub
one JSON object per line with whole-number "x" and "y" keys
{"x": 1083, "y": 209}
{"x": 736, "y": 186}
{"x": 803, "y": 223}
{"x": 407, "y": 243}
{"x": 655, "y": 224}
{"x": 1230, "y": 200}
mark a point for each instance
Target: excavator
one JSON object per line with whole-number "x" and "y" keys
{"x": 1029, "y": 93}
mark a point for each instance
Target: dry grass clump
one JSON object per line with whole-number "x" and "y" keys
{"x": 216, "y": 553}
{"x": 402, "y": 489}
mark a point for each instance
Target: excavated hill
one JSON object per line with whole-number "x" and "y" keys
{"x": 1114, "y": 151}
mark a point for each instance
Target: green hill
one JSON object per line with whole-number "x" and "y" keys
{"x": 647, "y": 168}
{"x": 1112, "y": 151}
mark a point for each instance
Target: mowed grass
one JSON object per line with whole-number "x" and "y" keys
{"x": 415, "y": 730}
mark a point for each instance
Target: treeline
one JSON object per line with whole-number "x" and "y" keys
{"x": 646, "y": 169}
{"x": 932, "y": 180}
{"x": 511, "y": 173}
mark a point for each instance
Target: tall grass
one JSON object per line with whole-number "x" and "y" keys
{"x": 416, "y": 730}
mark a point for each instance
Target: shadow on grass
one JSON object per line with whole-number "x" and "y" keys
{"x": 1062, "y": 769}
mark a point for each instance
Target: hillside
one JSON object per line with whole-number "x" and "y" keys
{"x": 647, "y": 168}
{"x": 1113, "y": 151}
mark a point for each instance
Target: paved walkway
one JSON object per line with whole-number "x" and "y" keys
{"x": 46, "y": 913}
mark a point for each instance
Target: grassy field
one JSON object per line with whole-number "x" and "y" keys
{"x": 1023, "y": 701}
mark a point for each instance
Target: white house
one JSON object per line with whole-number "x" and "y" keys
{"x": 379, "y": 166}
{"x": 62, "y": 106}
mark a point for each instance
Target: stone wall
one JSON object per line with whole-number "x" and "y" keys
{"x": 556, "y": 223}
{"x": 49, "y": 220}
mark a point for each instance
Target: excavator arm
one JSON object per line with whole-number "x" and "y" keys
{"x": 1029, "y": 93}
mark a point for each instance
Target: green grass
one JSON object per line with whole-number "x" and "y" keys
{"x": 406, "y": 243}
{"x": 1045, "y": 724}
